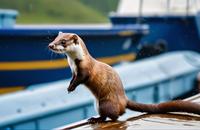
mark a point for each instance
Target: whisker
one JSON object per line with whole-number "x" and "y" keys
{"x": 46, "y": 47}
{"x": 52, "y": 55}
{"x": 49, "y": 37}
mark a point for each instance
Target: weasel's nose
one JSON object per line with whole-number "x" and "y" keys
{"x": 51, "y": 46}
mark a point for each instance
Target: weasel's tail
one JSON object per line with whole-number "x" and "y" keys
{"x": 171, "y": 106}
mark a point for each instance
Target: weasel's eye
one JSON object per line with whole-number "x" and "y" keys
{"x": 63, "y": 42}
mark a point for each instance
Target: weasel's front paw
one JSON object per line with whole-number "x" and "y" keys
{"x": 70, "y": 89}
{"x": 94, "y": 120}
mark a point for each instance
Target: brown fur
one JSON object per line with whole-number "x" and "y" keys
{"x": 105, "y": 84}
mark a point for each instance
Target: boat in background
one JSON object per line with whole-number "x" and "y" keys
{"x": 26, "y": 60}
{"x": 173, "y": 22}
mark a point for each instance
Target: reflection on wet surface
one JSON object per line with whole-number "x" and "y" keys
{"x": 170, "y": 116}
{"x": 167, "y": 121}
{"x": 148, "y": 121}
{"x": 172, "y": 121}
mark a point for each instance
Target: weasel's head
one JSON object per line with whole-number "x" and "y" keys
{"x": 65, "y": 43}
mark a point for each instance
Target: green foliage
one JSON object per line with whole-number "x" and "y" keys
{"x": 61, "y": 11}
{"x": 103, "y": 6}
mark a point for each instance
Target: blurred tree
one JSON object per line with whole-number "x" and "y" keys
{"x": 60, "y": 11}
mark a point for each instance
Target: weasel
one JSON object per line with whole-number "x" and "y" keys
{"x": 105, "y": 84}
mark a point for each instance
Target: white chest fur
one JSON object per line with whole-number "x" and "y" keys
{"x": 72, "y": 65}
{"x": 74, "y": 52}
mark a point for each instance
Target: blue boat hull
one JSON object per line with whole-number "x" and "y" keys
{"x": 26, "y": 60}
{"x": 179, "y": 32}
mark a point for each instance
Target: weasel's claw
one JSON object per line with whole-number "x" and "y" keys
{"x": 70, "y": 89}
{"x": 95, "y": 120}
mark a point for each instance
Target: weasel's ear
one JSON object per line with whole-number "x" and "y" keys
{"x": 75, "y": 38}
{"x": 60, "y": 33}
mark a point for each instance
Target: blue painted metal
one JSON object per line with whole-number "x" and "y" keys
{"x": 179, "y": 32}
{"x": 151, "y": 80}
{"x": 29, "y": 43}
{"x": 198, "y": 22}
